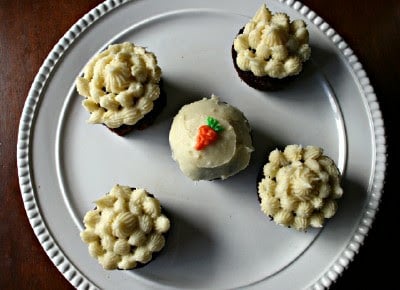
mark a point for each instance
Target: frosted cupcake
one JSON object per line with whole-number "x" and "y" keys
{"x": 299, "y": 187}
{"x": 210, "y": 140}
{"x": 270, "y": 50}
{"x": 126, "y": 229}
{"x": 121, "y": 86}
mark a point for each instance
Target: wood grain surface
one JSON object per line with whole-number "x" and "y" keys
{"x": 29, "y": 30}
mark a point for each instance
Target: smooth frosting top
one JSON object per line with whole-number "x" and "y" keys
{"x": 125, "y": 228}
{"x": 229, "y": 154}
{"x": 300, "y": 187}
{"x": 271, "y": 45}
{"x": 120, "y": 85}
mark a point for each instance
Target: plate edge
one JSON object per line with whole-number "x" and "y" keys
{"x": 380, "y": 158}
{"x": 51, "y": 248}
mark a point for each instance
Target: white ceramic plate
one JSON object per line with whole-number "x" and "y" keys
{"x": 220, "y": 238}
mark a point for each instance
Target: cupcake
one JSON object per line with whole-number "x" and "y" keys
{"x": 210, "y": 140}
{"x": 126, "y": 229}
{"x": 121, "y": 86}
{"x": 270, "y": 50}
{"x": 299, "y": 187}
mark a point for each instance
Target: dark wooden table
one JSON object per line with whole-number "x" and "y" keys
{"x": 28, "y": 31}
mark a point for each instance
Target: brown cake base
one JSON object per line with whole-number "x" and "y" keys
{"x": 264, "y": 83}
{"x": 147, "y": 120}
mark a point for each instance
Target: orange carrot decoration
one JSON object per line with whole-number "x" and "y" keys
{"x": 208, "y": 133}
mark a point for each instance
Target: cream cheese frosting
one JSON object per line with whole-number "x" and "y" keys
{"x": 228, "y": 155}
{"x": 126, "y": 228}
{"x": 120, "y": 85}
{"x": 300, "y": 187}
{"x": 272, "y": 45}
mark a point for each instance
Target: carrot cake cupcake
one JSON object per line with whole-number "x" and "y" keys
{"x": 210, "y": 140}
{"x": 121, "y": 87}
{"x": 299, "y": 187}
{"x": 270, "y": 50}
{"x": 126, "y": 229}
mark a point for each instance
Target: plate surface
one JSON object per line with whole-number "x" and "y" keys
{"x": 220, "y": 238}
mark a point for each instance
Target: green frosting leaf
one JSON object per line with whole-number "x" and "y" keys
{"x": 214, "y": 124}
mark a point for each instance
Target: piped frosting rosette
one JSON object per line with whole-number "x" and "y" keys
{"x": 125, "y": 229}
{"x": 300, "y": 187}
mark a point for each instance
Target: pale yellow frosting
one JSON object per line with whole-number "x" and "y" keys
{"x": 120, "y": 85}
{"x": 300, "y": 187}
{"x": 126, "y": 227}
{"x": 271, "y": 45}
{"x": 222, "y": 159}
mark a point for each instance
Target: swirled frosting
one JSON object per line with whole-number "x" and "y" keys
{"x": 125, "y": 228}
{"x": 300, "y": 187}
{"x": 272, "y": 45}
{"x": 120, "y": 85}
{"x": 221, "y": 159}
